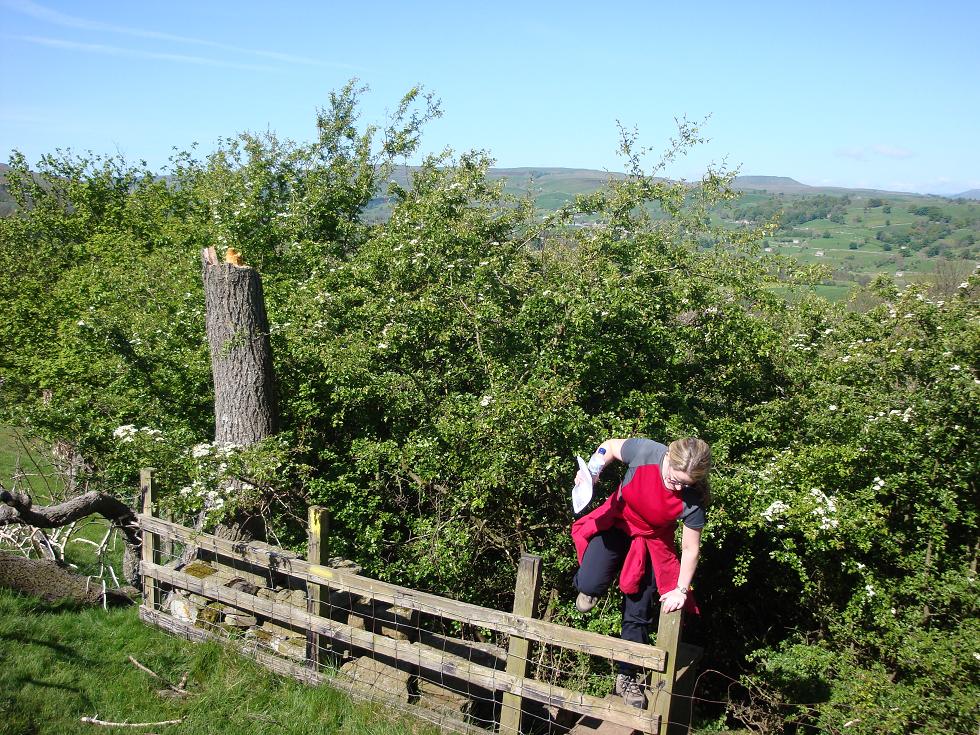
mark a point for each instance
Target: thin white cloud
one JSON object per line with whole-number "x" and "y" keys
{"x": 858, "y": 154}
{"x": 98, "y": 48}
{"x": 890, "y": 151}
{"x": 70, "y": 21}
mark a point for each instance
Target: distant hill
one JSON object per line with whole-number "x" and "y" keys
{"x": 786, "y": 185}
{"x": 774, "y": 184}
{"x": 7, "y": 204}
{"x": 552, "y": 186}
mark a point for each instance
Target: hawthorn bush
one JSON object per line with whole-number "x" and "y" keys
{"x": 439, "y": 370}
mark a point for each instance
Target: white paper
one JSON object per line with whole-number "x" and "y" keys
{"x": 582, "y": 492}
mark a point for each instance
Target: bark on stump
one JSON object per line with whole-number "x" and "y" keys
{"x": 245, "y": 409}
{"x": 241, "y": 354}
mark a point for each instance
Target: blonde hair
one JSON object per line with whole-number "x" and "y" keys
{"x": 692, "y": 456}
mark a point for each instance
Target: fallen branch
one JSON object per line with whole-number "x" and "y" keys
{"x": 18, "y": 508}
{"x": 104, "y": 723}
{"x": 53, "y": 582}
{"x": 179, "y": 688}
{"x": 21, "y": 509}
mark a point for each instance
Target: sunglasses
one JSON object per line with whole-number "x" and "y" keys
{"x": 670, "y": 481}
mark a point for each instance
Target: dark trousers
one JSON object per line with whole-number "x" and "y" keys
{"x": 601, "y": 564}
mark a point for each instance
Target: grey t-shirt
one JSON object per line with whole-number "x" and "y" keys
{"x": 638, "y": 452}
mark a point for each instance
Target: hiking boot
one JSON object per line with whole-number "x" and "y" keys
{"x": 584, "y": 602}
{"x": 630, "y": 690}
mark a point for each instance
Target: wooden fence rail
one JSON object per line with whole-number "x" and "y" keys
{"x": 321, "y": 631}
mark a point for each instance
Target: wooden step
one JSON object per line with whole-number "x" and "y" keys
{"x": 594, "y": 726}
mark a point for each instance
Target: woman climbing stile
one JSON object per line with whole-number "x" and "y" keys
{"x": 632, "y": 535}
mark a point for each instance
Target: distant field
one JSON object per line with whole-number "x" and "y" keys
{"x": 858, "y": 233}
{"x": 28, "y": 468}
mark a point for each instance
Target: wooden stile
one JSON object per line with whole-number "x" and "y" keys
{"x": 414, "y": 654}
{"x": 670, "y": 672}
{"x": 150, "y": 552}
{"x": 525, "y": 604}
{"x": 316, "y": 596}
{"x": 583, "y": 641}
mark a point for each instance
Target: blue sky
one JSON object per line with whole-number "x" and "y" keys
{"x": 857, "y": 94}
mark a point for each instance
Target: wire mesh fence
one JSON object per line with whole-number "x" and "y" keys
{"x": 461, "y": 667}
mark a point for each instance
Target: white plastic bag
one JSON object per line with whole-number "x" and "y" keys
{"x": 582, "y": 492}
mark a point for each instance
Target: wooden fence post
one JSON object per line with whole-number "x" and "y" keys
{"x": 668, "y": 638}
{"x": 316, "y": 596}
{"x": 526, "y": 604}
{"x": 167, "y": 547}
{"x": 151, "y": 541}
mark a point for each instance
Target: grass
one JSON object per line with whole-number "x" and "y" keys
{"x": 60, "y": 665}
{"x": 34, "y": 471}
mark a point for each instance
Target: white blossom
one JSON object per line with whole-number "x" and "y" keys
{"x": 200, "y": 450}
{"x": 486, "y": 401}
{"x": 226, "y": 448}
{"x": 125, "y": 433}
{"x": 776, "y": 508}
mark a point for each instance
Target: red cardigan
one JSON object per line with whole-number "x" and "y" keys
{"x": 647, "y": 513}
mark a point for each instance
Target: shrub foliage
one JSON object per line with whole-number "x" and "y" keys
{"x": 438, "y": 370}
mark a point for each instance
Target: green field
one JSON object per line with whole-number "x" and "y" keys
{"x": 865, "y": 240}
{"x": 31, "y": 469}
{"x": 27, "y": 467}
{"x": 60, "y": 665}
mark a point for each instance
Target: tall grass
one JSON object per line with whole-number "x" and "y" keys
{"x": 58, "y": 665}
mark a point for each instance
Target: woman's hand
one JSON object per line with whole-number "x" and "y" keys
{"x": 673, "y": 600}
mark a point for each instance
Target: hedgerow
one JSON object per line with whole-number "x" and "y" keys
{"x": 438, "y": 371}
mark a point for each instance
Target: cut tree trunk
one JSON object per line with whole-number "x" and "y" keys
{"x": 241, "y": 363}
{"x": 241, "y": 354}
